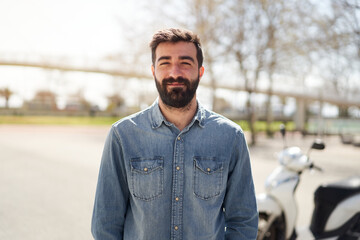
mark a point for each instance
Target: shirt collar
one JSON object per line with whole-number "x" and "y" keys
{"x": 157, "y": 118}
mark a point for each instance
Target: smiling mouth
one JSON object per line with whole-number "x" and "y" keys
{"x": 176, "y": 84}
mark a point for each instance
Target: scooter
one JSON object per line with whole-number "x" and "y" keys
{"x": 336, "y": 214}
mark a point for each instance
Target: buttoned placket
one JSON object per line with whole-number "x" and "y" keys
{"x": 177, "y": 189}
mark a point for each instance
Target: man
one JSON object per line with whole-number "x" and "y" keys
{"x": 175, "y": 170}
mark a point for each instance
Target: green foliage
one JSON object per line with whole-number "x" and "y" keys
{"x": 53, "y": 120}
{"x": 260, "y": 126}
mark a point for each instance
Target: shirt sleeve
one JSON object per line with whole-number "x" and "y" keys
{"x": 241, "y": 216}
{"x": 112, "y": 192}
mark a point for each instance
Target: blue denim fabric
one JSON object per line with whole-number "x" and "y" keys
{"x": 156, "y": 182}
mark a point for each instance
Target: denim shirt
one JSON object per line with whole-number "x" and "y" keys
{"x": 157, "y": 182}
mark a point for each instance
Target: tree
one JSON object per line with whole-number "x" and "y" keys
{"x": 342, "y": 71}
{"x": 43, "y": 100}
{"x": 251, "y": 40}
{"x": 78, "y": 102}
{"x": 269, "y": 39}
{"x": 6, "y": 93}
{"x": 115, "y": 103}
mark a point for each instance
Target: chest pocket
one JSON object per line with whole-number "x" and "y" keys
{"x": 208, "y": 176}
{"x": 147, "y": 175}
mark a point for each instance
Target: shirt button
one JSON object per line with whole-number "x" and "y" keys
{"x": 179, "y": 138}
{"x": 145, "y": 169}
{"x": 208, "y": 169}
{"x": 176, "y": 228}
{"x": 176, "y": 199}
{"x": 178, "y": 168}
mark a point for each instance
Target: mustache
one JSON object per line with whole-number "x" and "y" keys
{"x": 178, "y": 80}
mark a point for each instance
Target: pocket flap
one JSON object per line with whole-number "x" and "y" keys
{"x": 208, "y": 165}
{"x": 146, "y": 165}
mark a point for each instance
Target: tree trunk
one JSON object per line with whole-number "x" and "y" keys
{"x": 251, "y": 119}
{"x": 269, "y": 116}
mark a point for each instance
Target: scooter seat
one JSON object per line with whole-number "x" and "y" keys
{"x": 334, "y": 193}
{"x": 327, "y": 197}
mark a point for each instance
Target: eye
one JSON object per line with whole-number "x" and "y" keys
{"x": 186, "y": 63}
{"x": 163, "y": 63}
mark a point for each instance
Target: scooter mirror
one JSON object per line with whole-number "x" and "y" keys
{"x": 318, "y": 144}
{"x": 282, "y": 130}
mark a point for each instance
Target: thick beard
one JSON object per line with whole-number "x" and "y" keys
{"x": 177, "y": 97}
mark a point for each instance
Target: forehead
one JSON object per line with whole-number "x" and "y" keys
{"x": 175, "y": 50}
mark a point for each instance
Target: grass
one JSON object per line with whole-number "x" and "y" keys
{"x": 57, "y": 120}
{"x": 260, "y": 126}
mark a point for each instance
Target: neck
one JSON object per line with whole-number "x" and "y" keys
{"x": 180, "y": 117}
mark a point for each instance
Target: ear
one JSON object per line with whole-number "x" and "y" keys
{"x": 153, "y": 70}
{"x": 201, "y": 71}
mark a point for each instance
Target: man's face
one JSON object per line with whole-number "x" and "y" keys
{"x": 176, "y": 73}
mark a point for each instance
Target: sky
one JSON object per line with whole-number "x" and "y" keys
{"x": 61, "y": 27}
{"x": 52, "y": 29}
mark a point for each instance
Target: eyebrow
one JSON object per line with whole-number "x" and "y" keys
{"x": 181, "y": 58}
{"x": 164, "y": 58}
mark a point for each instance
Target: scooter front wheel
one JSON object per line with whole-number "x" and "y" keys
{"x": 271, "y": 229}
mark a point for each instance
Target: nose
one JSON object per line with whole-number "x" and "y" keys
{"x": 175, "y": 71}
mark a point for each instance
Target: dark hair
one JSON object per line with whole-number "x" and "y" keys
{"x": 176, "y": 35}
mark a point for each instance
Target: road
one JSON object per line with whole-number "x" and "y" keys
{"x": 48, "y": 177}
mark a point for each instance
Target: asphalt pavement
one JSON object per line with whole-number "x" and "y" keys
{"x": 48, "y": 177}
